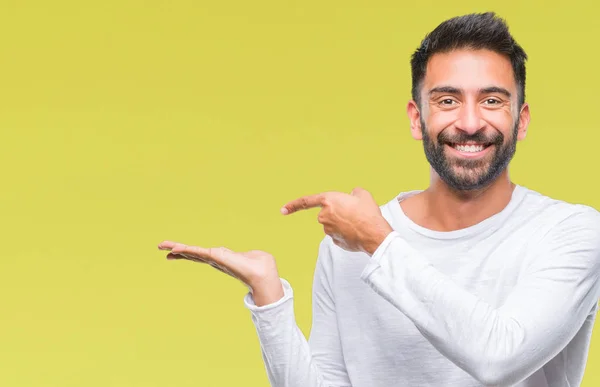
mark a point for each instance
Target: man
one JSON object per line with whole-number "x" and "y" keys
{"x": 473, "y": 281}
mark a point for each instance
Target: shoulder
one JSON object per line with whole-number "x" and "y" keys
{"x": 571, "y": 231}
{"x": 328, "y": 255}
{"x": 563, "y": 238}
{"x": 337, "y": 262}
{"x": 559, "y": 214}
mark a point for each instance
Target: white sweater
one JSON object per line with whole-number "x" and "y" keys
{"x": 509, "y": 301}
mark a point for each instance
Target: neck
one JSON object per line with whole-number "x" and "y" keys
{"x": 448, "y": 209}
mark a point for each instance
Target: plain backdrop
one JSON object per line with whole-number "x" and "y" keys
{"x": 125, "y": 123}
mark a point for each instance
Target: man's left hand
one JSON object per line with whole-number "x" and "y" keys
{"x": 354, "y": 221}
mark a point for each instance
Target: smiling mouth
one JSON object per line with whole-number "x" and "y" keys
{"x": 469, "y": 147}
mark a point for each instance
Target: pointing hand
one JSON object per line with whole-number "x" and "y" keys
{"x": 354, "y": 221}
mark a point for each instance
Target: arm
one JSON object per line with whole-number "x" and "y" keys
{"x": 291, "y": 360}
{"x": 504, "y": 345}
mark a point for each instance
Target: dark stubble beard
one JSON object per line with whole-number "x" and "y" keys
{"x": 466, "y": 174}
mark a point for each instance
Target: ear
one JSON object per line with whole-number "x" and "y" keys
{"x": 524, "y": 118}
{"x": 414, "y": 115}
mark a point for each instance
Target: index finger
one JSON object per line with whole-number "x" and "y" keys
{"x": 303, "y": 203}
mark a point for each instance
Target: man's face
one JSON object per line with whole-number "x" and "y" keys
{"x": 468, "y": 119}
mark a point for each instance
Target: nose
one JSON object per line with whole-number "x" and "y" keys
{"x": 469, "y": 119}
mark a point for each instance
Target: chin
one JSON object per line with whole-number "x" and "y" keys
{"x": 460, "y": 182}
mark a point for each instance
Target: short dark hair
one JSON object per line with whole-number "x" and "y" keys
{"x": 473, "y": 31}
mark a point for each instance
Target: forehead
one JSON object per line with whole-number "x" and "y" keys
{"x": 469, "y": 70}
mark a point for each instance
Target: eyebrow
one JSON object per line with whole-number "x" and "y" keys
{"x": 485, "y": 90}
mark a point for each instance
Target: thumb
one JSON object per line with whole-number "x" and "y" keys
{"x": 361, "y": 193}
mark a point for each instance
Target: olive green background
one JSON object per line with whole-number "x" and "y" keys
{"x": 125, "y": 123}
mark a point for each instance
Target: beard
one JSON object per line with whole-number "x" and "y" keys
{"x": 463, "y": 174}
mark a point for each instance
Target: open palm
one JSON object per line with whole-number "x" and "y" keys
{"x": 256, "y": 269}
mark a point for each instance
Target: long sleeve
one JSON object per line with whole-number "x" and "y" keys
{"x": 290, "y": 360}
{"x": 506, "y": 344}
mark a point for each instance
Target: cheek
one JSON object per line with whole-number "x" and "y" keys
{"x": 439, "y": 121}
{"x": 501, "y": 121}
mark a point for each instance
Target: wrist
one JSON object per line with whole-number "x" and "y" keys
{"x": 376, "y": 239}
{"x": 267, "y": 292}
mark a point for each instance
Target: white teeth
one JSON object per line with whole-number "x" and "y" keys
{"x": 469, "y": 148}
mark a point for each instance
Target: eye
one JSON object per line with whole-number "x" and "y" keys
{"x": 492, "y": 101}
{"x": 447, "y": 102}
